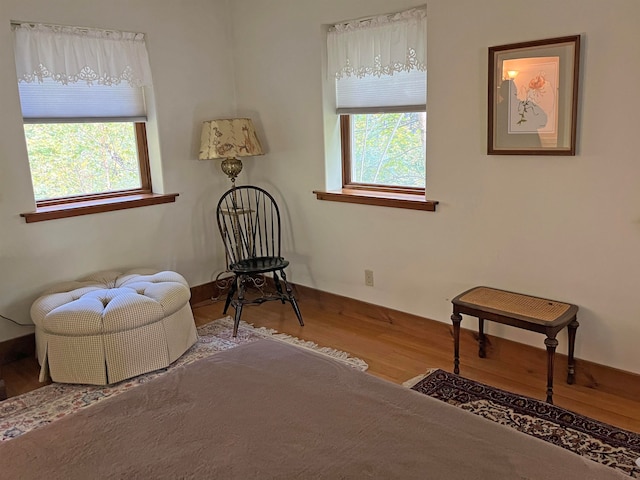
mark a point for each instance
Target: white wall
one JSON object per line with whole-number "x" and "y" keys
{"x": 566, "y": 228}
{"x": 190, "y": 55}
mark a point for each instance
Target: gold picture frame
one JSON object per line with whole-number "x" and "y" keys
{"x": 533, "y": 97}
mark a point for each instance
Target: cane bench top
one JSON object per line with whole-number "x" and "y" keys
{"x": 511, "y": 303}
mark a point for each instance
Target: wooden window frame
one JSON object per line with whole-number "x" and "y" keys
{"x": 411, "y": 198}
{"x": 64, "y": 207}
{"x": 345, "y": 139}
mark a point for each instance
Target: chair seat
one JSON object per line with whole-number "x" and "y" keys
{"x": 259, "y": 265}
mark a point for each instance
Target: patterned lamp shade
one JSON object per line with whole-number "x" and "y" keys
{"x": 228, "y": 139}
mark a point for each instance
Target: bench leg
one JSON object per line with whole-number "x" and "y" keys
{"x": 551, "y": 344}
{"x": 571, "y": 376}
{"x": 456, "y": 318}
{"x": 481, "y": 340}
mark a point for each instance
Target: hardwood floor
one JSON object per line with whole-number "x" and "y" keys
{"x": 399, "y": 346}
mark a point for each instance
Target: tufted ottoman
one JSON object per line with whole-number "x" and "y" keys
{"x": 112, "y": 326}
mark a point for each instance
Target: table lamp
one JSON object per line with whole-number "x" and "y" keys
{"x": 228, "y": 139}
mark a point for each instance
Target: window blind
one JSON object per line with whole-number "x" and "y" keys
{"x": 400, "y": 92}
{"x": 52, "y": 102}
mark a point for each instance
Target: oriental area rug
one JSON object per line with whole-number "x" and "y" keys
{"x": 21, "y": 414}
{"x": 603, "y": 443}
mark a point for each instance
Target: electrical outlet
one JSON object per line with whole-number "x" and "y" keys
{"x": 368, "y": 278}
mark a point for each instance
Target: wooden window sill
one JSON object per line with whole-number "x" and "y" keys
{"x": 381, "y": 199}
{"x": 87, "y": 207}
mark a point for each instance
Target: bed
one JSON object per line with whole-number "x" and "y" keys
{"x": 271, "y": 410}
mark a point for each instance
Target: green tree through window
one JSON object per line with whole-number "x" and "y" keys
{"x": 388, "y": 149}
{"x": 75, "y": 159}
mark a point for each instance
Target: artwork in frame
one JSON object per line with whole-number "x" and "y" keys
{"x": 533, "y": 97}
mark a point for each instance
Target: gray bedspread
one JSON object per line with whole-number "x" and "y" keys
{"x": 269, "y": 410}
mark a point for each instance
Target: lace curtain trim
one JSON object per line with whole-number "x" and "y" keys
{"x": 75, "y": 54}
{"x": 378, "y": 46}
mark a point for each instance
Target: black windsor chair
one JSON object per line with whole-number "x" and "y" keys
{"x": 249, "y": 223}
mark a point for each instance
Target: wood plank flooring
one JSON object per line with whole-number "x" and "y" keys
{"x": 399, "y": 346}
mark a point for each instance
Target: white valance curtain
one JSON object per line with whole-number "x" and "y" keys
{"x": 74, "y": 54}
{"x": 72, "y": 74}
{"x": 379, "y": 46}
{"x": 379, "y": 64}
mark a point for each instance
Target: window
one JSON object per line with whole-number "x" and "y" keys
{"x": 380, "y": 71}
{"x": 83, "y": 106}
{"x": 76, "y": 160}
{"x": 384, "y": 151}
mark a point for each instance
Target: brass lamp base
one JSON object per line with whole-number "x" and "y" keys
{"x": 232, "y": 168}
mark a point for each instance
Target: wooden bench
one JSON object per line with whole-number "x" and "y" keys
{"x": 522, "y": 311}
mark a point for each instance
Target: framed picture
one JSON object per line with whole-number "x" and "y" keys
{"x": 533, "y": 97}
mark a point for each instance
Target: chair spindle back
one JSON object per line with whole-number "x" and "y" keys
{"x": 249, "y": 222}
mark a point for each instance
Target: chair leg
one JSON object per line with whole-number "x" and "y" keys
{"x": 238, "y": 304}
{"x": 276, "y": 280}
{"x": 292, "y": 298}
{"x": 232, "y": 291}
